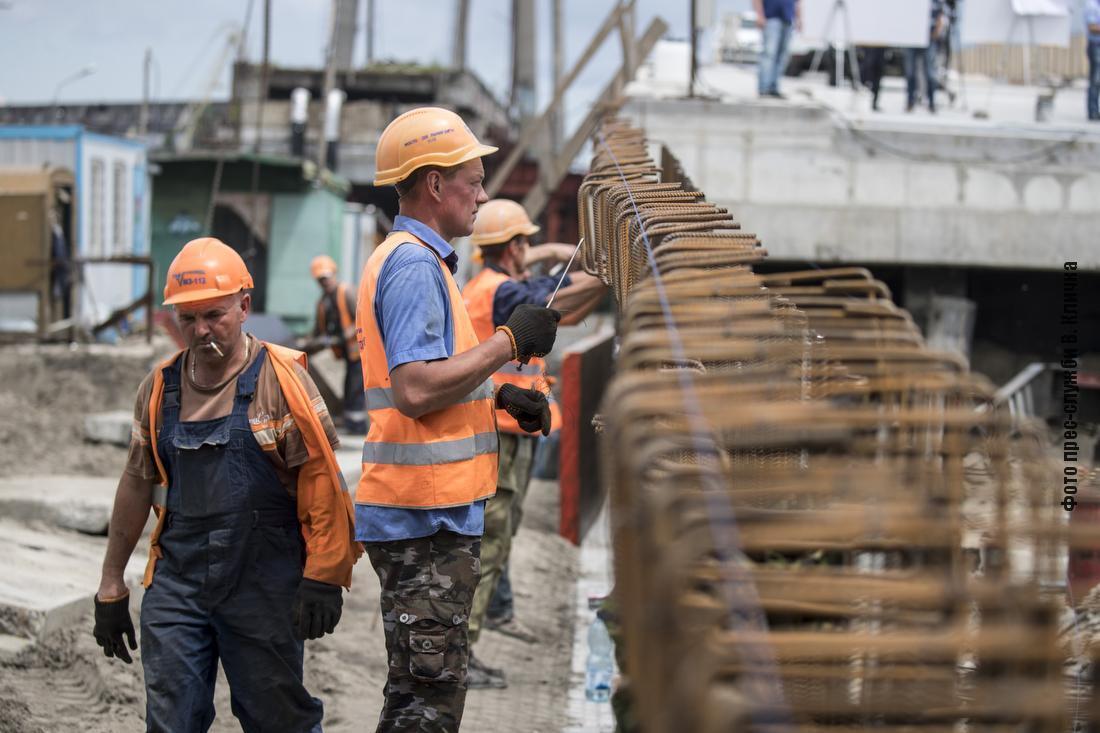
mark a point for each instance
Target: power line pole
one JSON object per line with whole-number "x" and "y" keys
{"x": 557, "y": 31}
{"x": 143, "y": 118}
{"x": 458, "y": 48}
{"x": 329, "y": 82}
{"x": 265, "y": 71}
{"x": 370, "y": 32}
{"x": 523, "y": 101}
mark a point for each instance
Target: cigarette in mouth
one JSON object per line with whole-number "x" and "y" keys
{"x": 214, "y": 345}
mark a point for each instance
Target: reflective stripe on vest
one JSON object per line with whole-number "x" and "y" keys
{"x": 381, "y": 398}
{"x": 427, "y": 454}
{"x": 443, "y": 459}
{"x": 479, "y": 294}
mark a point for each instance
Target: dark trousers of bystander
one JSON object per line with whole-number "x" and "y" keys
{"x": 1094, "y": 81}
{"x": 920, "y": 61}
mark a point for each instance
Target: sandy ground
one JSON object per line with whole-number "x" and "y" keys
{"x": 45, "y": 392}
{"x": 65, "y": 683}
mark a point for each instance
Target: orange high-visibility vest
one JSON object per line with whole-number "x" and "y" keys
{"x": 324, "y": 507}
{"x": 349, "y": 347}
{"x": 478, "y": 295}
{"x": 443, "y": 459}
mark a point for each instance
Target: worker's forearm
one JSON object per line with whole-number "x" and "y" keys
{"x": 583, "y": 287}
{"x": 421, "y": 388}
{"x": 133, "y": 499}
{"x": 549, "y": 251}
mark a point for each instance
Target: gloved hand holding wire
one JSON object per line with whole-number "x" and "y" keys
{"x": 317, "y": 608}
{"x": 529, "y": 407}
{"x": 532, "y": 330}
{"x": 112, "y": 623}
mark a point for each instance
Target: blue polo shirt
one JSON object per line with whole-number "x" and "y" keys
{"x": 782, "y": 9}
{"x": 513, "y": 293}
{"x": 413, "y": 308}
{"x": 1092, "y": 17}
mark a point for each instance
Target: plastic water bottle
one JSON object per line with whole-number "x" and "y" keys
{"x": 598, "y": 668}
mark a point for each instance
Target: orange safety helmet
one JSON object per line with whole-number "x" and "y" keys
{"x": 322, "y": 266}
{"x": 498, "y": 221}
{"x": 420, "y": 137}
{"x": 205, "y": 269}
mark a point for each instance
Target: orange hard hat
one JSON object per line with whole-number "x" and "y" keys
{"x": 420, "y": 137}
{"x": 498, "y": 221}
{"x": 205, "y": 269}
{"x": 322, "y": 266}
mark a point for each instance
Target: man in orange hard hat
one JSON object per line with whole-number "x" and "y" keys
{"x": 335, "y": 327}
{"x": 430, "y": 455}
{"x": 232, "y": 448}
{"x": 503, "y": 232}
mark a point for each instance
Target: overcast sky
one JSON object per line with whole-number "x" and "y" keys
{"x": 42, "y": 42}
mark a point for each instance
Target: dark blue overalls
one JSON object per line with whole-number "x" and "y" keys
{"x": 232, "y": 561}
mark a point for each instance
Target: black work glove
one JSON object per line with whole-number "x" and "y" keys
{"x": 533, "y": 330}
{"x": 316, "y": 608}
{"x": 112, "y": 622}
{"x": 529, "y": 407}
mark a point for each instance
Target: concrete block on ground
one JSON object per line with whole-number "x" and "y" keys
{"x": 79, "y": 503}
{"x": 12, "y": 646}
{"x": 50, "y": 577}
{"x": 109, "y": 427}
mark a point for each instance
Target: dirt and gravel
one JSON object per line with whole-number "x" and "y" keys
{"x": 45, "y": 392}
{"x": 65, "y": 684}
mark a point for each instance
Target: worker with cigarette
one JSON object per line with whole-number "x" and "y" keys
{"x": 233, "y": 449}
{"x": 503, "y": 231}
{"x": 430, "y": 455}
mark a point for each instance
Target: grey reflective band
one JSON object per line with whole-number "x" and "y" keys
{"x": 428, "y": 454}
{"x": 160, "y": 495}
{"x": 525, "y": 370}
{"x": 381, "y": 398}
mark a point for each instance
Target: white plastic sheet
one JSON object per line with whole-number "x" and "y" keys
{"x": 872, "y": 22}
{"x": 1039, "y": 22}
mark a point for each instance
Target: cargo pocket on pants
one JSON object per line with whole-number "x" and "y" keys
{"x": 428, "y": 655}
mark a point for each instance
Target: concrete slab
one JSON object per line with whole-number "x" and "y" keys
{"x": 49, "y": 577}
{"x": 12, "y": 646}
{"x": 109, "y": 427}
{"x": 79, "y": 503}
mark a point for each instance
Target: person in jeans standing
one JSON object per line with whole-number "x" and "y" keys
{"x": 923, "y": 60}
{"x": 1092, "y": 23}
{"x": 775, "y": 18}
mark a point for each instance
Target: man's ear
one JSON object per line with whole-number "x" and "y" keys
{"x": 246, "y": 304}
{"x": 434, "y": 182}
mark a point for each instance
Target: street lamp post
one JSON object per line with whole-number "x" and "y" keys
{"x": 85, "y": 71}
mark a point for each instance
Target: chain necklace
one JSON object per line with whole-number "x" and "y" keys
{"x": 247, "y": 351}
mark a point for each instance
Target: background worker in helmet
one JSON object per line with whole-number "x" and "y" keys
{"x": 254, "y": 534}
{"x": 430, "y": 455}
{"x": 502, "y": 230}
{"x": 335, "y": 327}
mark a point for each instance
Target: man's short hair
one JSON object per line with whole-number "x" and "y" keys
{"x": 493, "y": 252}
{"x": 405, "y": 187}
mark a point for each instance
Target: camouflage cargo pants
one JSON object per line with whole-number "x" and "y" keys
{"x": 502, "y": 515}
{"x": 427, "y": 590}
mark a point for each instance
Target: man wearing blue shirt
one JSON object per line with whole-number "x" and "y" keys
{"x": 430, "y": 455}
{"x": 1092, "y": 23}
{"x": 776, "y": 18}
